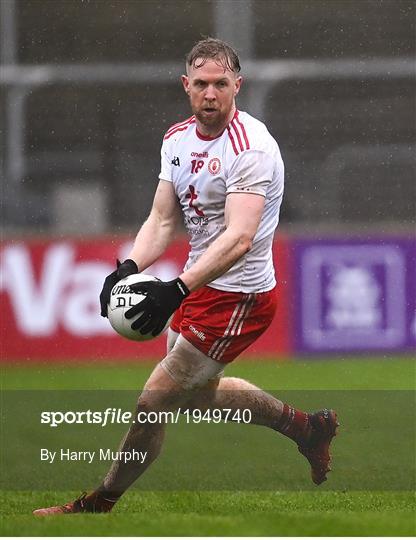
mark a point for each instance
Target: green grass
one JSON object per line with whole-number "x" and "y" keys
{"x": 342, "y": 374}
{"x": 221, "y": 513}
{"x": 282, "y": 510}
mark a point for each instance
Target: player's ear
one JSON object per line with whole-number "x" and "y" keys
{"x": 238, "y": 83}
{"x": 185, "y": 83}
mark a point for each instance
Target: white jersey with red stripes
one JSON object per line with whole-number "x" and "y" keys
{"x": 245, "y": 158}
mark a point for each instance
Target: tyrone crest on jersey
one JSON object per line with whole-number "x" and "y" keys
{"x": 214, "y": 165}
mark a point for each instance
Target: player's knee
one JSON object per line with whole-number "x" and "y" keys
{"x": 150, "y": 414}
{"x": 155, "y": 401}
{"x": 204, "y": 397}
{"x": 233, "y": 384}
{"x": 145, "y": 404}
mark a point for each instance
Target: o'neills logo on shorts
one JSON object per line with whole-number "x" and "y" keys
{"x": 198, "y": 333}
{"x": 199, "y": 154}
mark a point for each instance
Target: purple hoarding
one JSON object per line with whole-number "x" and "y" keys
{"x": 355, "y": 295}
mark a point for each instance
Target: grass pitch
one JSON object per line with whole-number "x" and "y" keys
{"x": 315, "y": 511}
{"x": 220, "y": 513}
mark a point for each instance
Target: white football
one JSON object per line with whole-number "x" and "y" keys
{"x": 121, "y": 300}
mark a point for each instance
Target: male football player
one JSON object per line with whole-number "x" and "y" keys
{"x": 222, "y": 174}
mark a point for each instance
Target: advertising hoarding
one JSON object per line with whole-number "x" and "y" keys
{"x": 49, "y": 295}
{"x": 355, "y": 295}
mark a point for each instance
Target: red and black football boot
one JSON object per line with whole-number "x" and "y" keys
{"x": 323, "y": 427}
{"x": 91, "y": 503}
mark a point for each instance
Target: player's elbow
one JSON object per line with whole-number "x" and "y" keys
{"x": 240, "y": 240}
{"x": 245, "y": 243}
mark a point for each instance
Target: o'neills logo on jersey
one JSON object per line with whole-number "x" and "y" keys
{"x": 199, "y": 154}
{"x": 214, "y": 166}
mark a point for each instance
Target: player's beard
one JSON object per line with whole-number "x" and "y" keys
{"x": 213, "y": 122}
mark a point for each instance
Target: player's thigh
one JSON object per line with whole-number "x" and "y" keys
{"x": 184, "y": 372}
{"x": 172, "y": 337}
{"x": 189, "y": 367}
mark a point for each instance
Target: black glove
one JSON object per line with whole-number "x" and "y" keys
{"x": 162, "y": 299}
{"x": 123, "y": 270}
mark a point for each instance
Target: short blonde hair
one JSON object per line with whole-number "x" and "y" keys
{"x": 213, "y": 49}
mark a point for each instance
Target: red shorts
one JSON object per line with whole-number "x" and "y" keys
{"x": 222, "y": 324}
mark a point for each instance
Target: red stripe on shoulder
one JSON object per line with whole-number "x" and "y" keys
{"x": 179, "y": 124}
{"x": 243, "y": 129}
{"x": 232, "y": 141}
{"x": 181, "y": 127}
{"x": 233, "y": 125}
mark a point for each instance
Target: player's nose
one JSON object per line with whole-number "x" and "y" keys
{"x": 210, "y": 94}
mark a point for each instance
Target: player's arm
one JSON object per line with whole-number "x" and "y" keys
{"x": 151, "y": 241}
{"x": 246, "y": 187}
{"x": 243, "y": 212}
{"x": 159, "y": 229}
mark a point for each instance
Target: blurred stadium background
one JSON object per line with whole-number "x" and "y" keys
{"x": 87, "y": 89}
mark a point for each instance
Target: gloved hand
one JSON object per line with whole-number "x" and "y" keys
{"x": 123, "y": 270}
{"x": 162, "y": 299}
